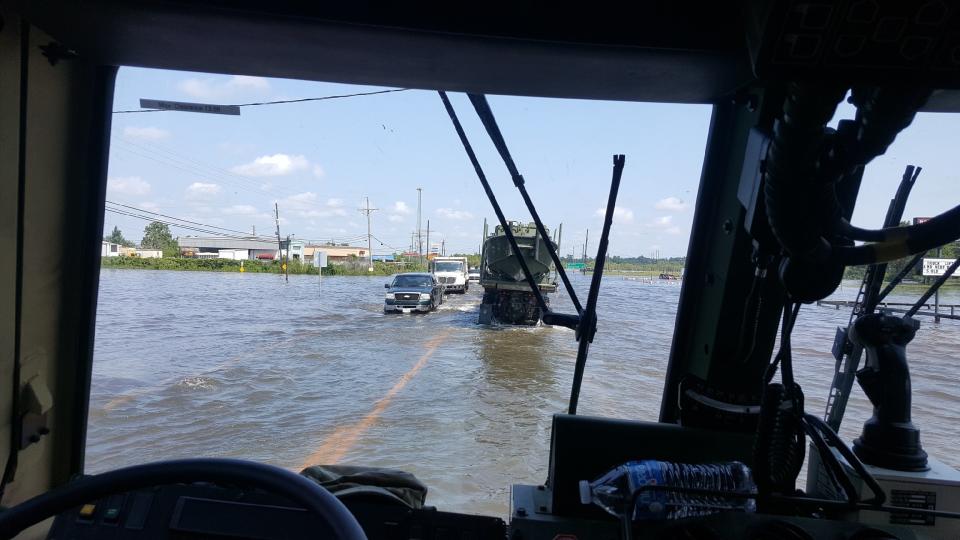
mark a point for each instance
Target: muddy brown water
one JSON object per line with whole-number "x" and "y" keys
{"x": 247, "y": 366}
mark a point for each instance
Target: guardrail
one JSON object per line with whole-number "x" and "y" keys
{"x": 927, "y": 310}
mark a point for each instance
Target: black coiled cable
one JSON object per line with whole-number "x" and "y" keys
{"x": 792, "y": 166}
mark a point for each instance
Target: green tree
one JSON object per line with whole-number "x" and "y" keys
{"x": 157, "y": 235}
{"x": 117, "y": 238}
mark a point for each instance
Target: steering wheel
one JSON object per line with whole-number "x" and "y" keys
{"x": 303, "y": 491}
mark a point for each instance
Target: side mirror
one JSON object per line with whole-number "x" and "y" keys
{"x": 386, "y": 285}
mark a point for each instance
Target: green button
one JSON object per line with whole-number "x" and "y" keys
{"x": 112, "y": 514}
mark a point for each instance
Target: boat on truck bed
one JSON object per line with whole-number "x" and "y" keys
{"x": 507, "y": 297}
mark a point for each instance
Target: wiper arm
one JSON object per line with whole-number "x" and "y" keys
{"x": 588, "y": 320}
{"x": 490, "y": 123}
{"x": 496, "y": 206}
{"x": 585, "y": 322}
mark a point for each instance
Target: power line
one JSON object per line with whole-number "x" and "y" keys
{"x": 183, "y": 220}
{"x": 382, "y": 243}
{"x": 283, "y": 101}
{"x": 188, "y": 161}
{"x": 179, "y": 163}
{"x": 195, "y": 226}
{"x": 174, "y": 224}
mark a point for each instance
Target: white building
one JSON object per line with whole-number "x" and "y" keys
{"x": 109, "y": 249}
{"x": 234, "y": 254}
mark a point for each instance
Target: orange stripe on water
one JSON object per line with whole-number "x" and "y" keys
{"x": 336, "y": 446}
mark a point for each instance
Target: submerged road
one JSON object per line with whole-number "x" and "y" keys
{"x": 245, "y": 365}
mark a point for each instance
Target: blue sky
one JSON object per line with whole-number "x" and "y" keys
{"x": 318, "y": 160}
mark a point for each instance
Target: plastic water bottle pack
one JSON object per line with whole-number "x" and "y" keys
{"x": 658, "y": 488}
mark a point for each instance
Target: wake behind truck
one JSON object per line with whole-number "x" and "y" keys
{"x": 451, "y": 272}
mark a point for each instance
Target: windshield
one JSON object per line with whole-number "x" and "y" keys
{"x": 448, "y": 266}
{"x": 230, "y": 359}
{"x": 412, "y": 281}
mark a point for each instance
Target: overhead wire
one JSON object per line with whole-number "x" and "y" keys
{"x": 154, "y": 219}
{"x": 181, "y": 219}
{"x": 212, "y": 172}
{"x": 146, "y": 215}
{"x": 165, "y": 156}
{"x": 248, "y": 186}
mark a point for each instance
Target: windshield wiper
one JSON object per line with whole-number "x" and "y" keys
{"x": 585, "y": 321}
{"x": 507, "y": 230}
{"x": 490, "y": 123}
{"x": 588, "y": 320}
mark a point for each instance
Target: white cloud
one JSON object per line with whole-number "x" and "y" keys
{"x": 318, "y": 171}
{"x": 149, "y": 133}
{"x": 240, "y": 210}
{"x": 301, "y": 199}
{"x": 275, "y": 165}
{"x": 665, "y": 223}
{"x": 674, "y": 204}
{"x": 149, "y": 205}
{"x": 620, "y": 214}
{"x": 398, "y": 212}
{"x": 128, "y": 185}
{"x": 450, "y": 213}
{"x": 307, "y": 205}
{"x": 217, "y": 88}
{"x": 201, "y": 190}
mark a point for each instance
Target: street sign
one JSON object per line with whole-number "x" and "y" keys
{"x": 919, "y": 220}
{"x": 189, "y": 107}
{"x": 320, "y": 259}
{"x": 575, "y": 266}
{"x": 936, "y": 267}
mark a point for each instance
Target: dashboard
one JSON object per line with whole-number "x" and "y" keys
{"x": 201, "y": 511}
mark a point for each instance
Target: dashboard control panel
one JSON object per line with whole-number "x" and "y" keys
{"x": 200, "y": 511}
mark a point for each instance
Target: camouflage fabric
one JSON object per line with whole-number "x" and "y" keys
{"x": 369, "y": 484}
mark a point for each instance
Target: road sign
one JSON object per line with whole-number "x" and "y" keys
{"x": 320, "y": 259}
{"x": 936, "y": 267}
{"x": 189, "y": 107}
{"x": 575, "y": 266}
{"x": 919, "y": 220}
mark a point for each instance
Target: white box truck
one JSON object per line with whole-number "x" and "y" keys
{"x": 451, "y": 272}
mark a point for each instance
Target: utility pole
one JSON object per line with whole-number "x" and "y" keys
{"x": 419, "y": 238}
{"x": 586, "y": 240}
{"x": 254, "y": 230}
{"x": 286, "y": 266}
{"x": 443, "y": 248}
{"x": 276, "y": 214}
{"x": 428, "y": 240}
{"x": 369, "y": 211}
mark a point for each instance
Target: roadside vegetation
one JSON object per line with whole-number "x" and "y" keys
{"x": 634, "y": 266}
{"x": 915, "y": 279}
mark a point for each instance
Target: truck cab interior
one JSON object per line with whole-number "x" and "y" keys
{"x": 777, "y": 191}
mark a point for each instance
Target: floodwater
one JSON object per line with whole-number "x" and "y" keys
{"x": 298, "y": 373}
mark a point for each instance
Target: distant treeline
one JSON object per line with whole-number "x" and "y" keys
{"x": 639, "y": 264}
{"x": 254, "y": 267}
{"x": 949, "y": 251}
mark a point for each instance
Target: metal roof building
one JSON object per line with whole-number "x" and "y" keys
{"x": 209, "y": 243}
